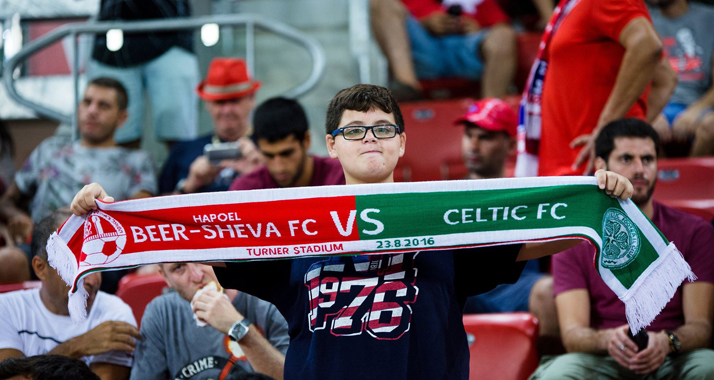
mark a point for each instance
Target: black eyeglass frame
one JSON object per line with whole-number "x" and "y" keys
{"x": 366, "y": 129}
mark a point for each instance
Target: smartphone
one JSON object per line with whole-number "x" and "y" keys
{"x": 454, "y": 10}
{"x": 641, "y": 339}
{"x": 223, "y": 151}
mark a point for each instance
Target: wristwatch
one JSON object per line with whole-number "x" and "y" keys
{"x": 674, "y": 344}
{"x": 239, "y": 330}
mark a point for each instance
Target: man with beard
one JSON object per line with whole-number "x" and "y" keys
{"x": 37, "y": 322}
{"x": 592, "y": 320}
{"x": 229, "y": 96}
{"x": 281, "y": 131}
{"x": 59, "y": 167}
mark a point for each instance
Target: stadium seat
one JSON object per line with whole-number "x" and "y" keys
{"x": 502, "y": 345}
{"x": 20, "y": 286}
{"x": 432, "y": 138}
{"x": 138, "y": 290}
{"x": 687, "y": 184}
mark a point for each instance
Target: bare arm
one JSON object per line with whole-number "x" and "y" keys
{"x": 214, "y": 308}
{"x": 107, "y": 371}
{"x": 7, "y": 353}
{"x": 263, "y": 357}
{"x": 19, "y": 223}
{"x": 108, "y": 336}
{"x": 574, "y": 317}
{"x": 698, "y": 307}
{"x": 643, "y": 50}
{"x": 663, "y": 84}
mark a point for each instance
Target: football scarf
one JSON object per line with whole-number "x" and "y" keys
{"x": 633, "y": 257}
{"x": 529, "y": 114}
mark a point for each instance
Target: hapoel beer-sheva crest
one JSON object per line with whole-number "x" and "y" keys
{"x": 104, "y": 239}
{"x": 621, "y": 240}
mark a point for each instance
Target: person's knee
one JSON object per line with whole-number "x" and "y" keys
{"x": 387, "y": 8}
{"x": 541, "y": 303}
{"x": 14, "y": 267}
{"x": 700, "y": 366}
{"x": 706, "y": 128}
{"x": 568, "y": 366}
{"x": 500, "y": 43}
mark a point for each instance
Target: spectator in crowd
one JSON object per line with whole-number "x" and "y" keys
{"x": 58, "y": 167}
{"x": 229, "y": 95}
{"x": 429, "y": 344}
{"x": 601, "y": 58}
{"x": 36, "y": 321}
{"x": 280, "y": 128}
{"x": 489, "y": 139}
{"x": 688, "y": 40}
{"x": 46, "y": 367}
{"x": 429, "y": 39}
{"x": 592, "y": 319}
{"x": 14, "y": 267}
{"x": 161, "y": 63}
{"x": 243, "y": 334}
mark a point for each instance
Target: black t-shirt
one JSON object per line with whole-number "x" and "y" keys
{"x": 392, "y": 316}
{"x": 139, "y": 48}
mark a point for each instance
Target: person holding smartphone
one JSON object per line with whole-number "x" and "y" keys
{"x": 212, "y": 162}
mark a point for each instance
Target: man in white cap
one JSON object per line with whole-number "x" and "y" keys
{"x": 229, "y": 96}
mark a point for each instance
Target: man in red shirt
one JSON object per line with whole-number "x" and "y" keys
{"x": 592, "y": 318}
{"x": 280, "y": 129}
{"x": 601, "y": 60}
{"x": 429, "y": 39}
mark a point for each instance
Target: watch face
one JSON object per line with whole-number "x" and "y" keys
{"x": 238, "y": 331}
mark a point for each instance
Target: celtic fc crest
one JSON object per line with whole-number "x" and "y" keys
{"x": 620, "y": 238}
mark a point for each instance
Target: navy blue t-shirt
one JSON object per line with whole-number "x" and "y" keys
{"x": 391, "y": 316}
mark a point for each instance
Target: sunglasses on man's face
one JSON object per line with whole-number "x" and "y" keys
{"x": 358, "y": 132}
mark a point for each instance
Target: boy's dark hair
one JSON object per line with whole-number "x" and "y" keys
{"x": 46, "y": 367}
{"x": 278, "y": 118}
{"x": 362, "y": 98}
{"x": 605, "y": 141}
{"x": 122, "y": 97}
{"x": 42, "y": 231}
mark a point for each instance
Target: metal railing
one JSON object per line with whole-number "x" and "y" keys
{"x": 250, "y": 21}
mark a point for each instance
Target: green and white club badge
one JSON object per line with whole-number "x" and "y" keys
{"x": 621, "y": 240}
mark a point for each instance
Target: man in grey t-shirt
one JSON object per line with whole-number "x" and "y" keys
{"x": 243, "y": 333}
{"x": 688, "y": 40}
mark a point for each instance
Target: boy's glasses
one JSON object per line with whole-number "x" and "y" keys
{"x": 381, "y": 131}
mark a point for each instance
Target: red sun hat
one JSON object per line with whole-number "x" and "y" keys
{"x": 491, "y": 114}
{"x": 227, "y": 79}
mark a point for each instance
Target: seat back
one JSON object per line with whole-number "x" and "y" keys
{"x": 138, "y": 290}
{"x": 687, "y": 184}
{"x": 432, "y": 138}
{"x": 502, "y": 345}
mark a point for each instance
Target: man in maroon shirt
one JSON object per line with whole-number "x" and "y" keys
{"x": 592, "y": 319}
{"x": 280, "y": 129}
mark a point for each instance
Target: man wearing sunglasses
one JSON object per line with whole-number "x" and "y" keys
{"x": 388, "y": 316}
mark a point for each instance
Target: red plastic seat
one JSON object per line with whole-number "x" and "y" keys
{"x": 687, "y": 184}
{"x": 4, "y": 288}
{"x": 138, "y": 290}
{"x": 502, "y": 345}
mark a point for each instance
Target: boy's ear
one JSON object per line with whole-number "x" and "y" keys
{"x": 330, "y": 140}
